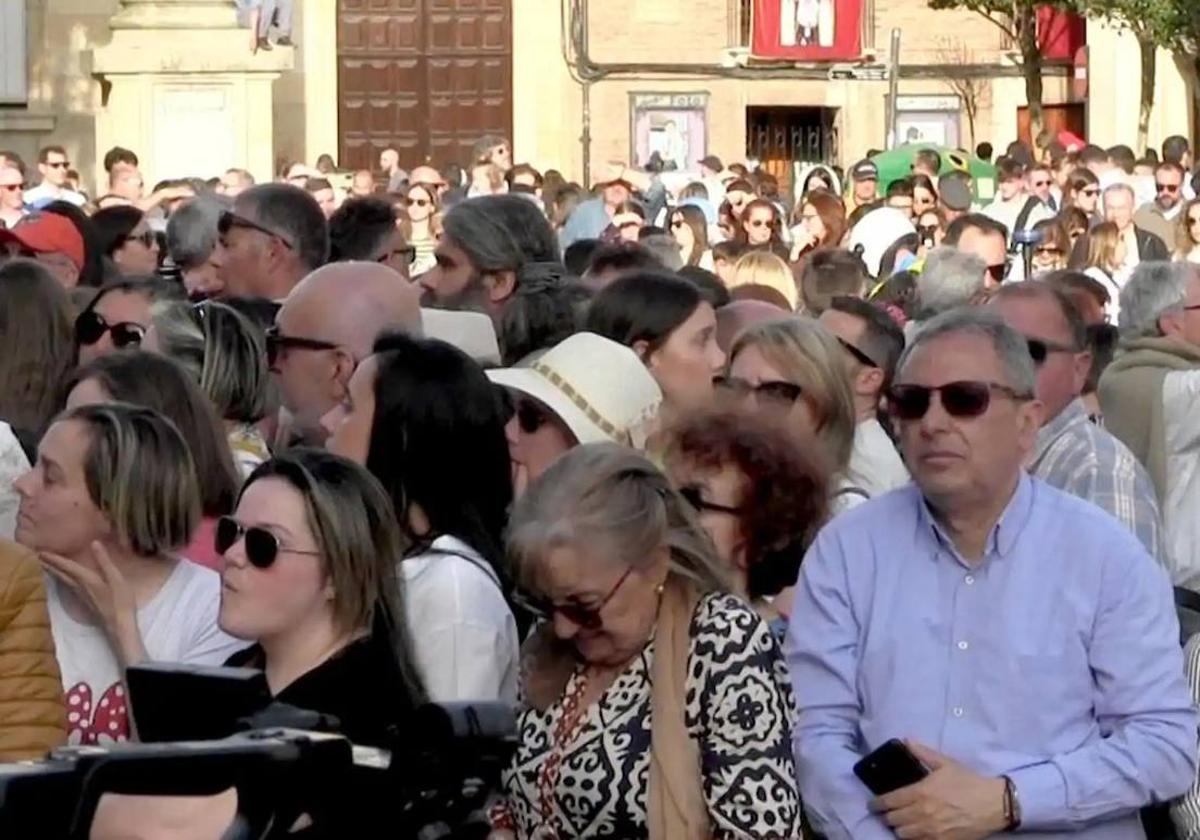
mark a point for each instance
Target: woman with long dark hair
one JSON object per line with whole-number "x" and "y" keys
{"x": 424, "y": 419}
{"x": 761, "y": 228}
{"x": 689, "y": 228}
{"x": 124, "y": 236}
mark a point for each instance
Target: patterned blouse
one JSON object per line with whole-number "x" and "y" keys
{"x": 739, "y": 710}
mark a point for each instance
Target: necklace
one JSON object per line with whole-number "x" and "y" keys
{"x": 565, "y": 731}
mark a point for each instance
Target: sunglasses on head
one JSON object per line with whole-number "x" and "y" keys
{"x": 694, "y": 496}
{"x": 858, "y": 354}
{"x": 262, "y": 547}
{"x": 229, "y": 220}
{"x": 90, "y": 327}
{"x": 586, "y": 617}
{"x": 277, "y": 342}
{"x": 959, "y": 399}
{"x": 784, "y": 393}
{"x": 1040, "y": 349}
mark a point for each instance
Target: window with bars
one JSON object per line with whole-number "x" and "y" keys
{"x": 14, "y": 79}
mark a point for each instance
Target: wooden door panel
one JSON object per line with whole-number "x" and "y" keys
{"x": 430, "y": 76}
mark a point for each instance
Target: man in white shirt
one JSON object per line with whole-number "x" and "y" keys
{"x": 53, "y": 164}
{"x": 1015, "y": 207}
{"x": 873, "y": 344}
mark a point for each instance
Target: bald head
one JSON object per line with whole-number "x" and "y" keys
{"x": 363, "y": 183}
{"x": 353, "y": 302}
{"x": 345, "y": 306}
{"x": 425, "y": 175}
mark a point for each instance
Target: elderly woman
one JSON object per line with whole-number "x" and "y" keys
{"x": 654, "y": 694}
{"x": 795, "y": 367}
{"x": 192, "y": 244}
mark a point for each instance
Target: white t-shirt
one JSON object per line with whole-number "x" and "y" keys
{"x": 464, "y": 636}
{"x": 13, "y": 464}
{"x": 178, "y": 625}
{"x": 44, "y": 193}
{"x": 875, "y": 465}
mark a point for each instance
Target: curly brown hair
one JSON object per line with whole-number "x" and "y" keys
{"x": 784, "y": 491}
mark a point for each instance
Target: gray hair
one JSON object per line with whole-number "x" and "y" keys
{"x": 1010, "y": 346}
{"x": 951, "y": 278}
{"x": 192, "y": 230}
{"x": 1120, "y": 186}
{"x": 290, "y": 213}
{"x": 665, "y": 250}
{"x": 222, "y": 351}
{"x": 1155, "y": 289}
{"x": 501, "y": 233}
{"x": 614, "y": 501}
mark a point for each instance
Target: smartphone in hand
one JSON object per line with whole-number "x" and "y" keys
{"x": 890, "y": 768}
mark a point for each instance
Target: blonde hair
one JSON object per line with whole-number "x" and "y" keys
{"x": 808, "y": 355}
{"x": 612, "y": 500}
{"x": 222, "y": 351}
{"x": 1103, "y": 240}
{"x": 139, "y": 473}
{"x": 763, "y": 268}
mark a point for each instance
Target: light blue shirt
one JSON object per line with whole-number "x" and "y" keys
{"x": 1055, "y": 661}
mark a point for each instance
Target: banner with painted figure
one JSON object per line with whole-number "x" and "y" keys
{"x": 807, "y": 30}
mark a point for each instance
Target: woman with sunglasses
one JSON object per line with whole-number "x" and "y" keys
{"x": 1187, "y": 233}
{"x": 420, "y": 205}
{"x": 672, "y": 329}
{"x": 224, "y": 354}
{"x": 761, "y": 494}
{"x": 738, "y": 194}
{"x": 158, "y": 383}
{"x": 689, "y": 229}
{"x": 637, "y": 680}
{"x": 424, "y": 419}
{"x": 109, "y": 504}
{"x": 124, "y": 237}
{"x": 795, "y": 368}
{"x": 760, "y": 228}
{"x": 310, "y": 579}
{"x": 1052, "y": 248}
{"x": 119, "y": 315}
{"x": 1083, "y": 191}
{"x": 586, "y": 389}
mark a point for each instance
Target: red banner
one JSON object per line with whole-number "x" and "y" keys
{"x": 807, "y": 30}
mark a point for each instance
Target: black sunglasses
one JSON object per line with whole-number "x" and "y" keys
{"x": 262, "y": 547}
{"x": 695, "y": 497}
{"x": 1040, "y": 349}
{"x": 857, "y": 354}
{"x": 277, "y": 342}
{"x": 589, "y": 618}
{"x": 1168, "y": 188}
{"x": 530, "y": 415}
{"x": 959, "y": 399}
{"x": 777, "y": 392}
{"x": 999, "y": 271}
{"x": 229, "y": 220}
{"x": 90, "y": 327}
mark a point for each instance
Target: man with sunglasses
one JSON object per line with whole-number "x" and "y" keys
{"x": 987, "y": 239}
{"x": 1140, "y": 245}
{"x": 1072, "y": 453}
{"x": 54, "y": 166}
{"x": 273, "y": 237}
{"x": 1015, "y": 207}
{"x": 1162, "y": 214}
{"x": 1150, "y": 395}
{"x": 873, "y": 344}
{"x": 12, "y": 197}
{"x": 327, "y": 325}
{"x": 1020, "y": 640}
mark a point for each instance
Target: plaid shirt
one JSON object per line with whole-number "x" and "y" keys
{"x": 1081, "y": 458}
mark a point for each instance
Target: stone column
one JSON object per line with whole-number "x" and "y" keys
{"x": 181, "y": 88}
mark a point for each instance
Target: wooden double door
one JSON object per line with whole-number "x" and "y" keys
{"x": 429, "y": 77}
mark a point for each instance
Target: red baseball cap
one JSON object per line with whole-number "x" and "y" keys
{"x": 46, "y": 233}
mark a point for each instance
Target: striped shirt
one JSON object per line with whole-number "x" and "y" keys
{"x": 1081, "y": 458}
{"x": 1185, "y": 811}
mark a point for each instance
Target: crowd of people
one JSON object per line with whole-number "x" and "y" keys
{"x": 722, "y": 488}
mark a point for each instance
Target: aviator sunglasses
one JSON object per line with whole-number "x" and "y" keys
{"x": 262, "y": 547}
